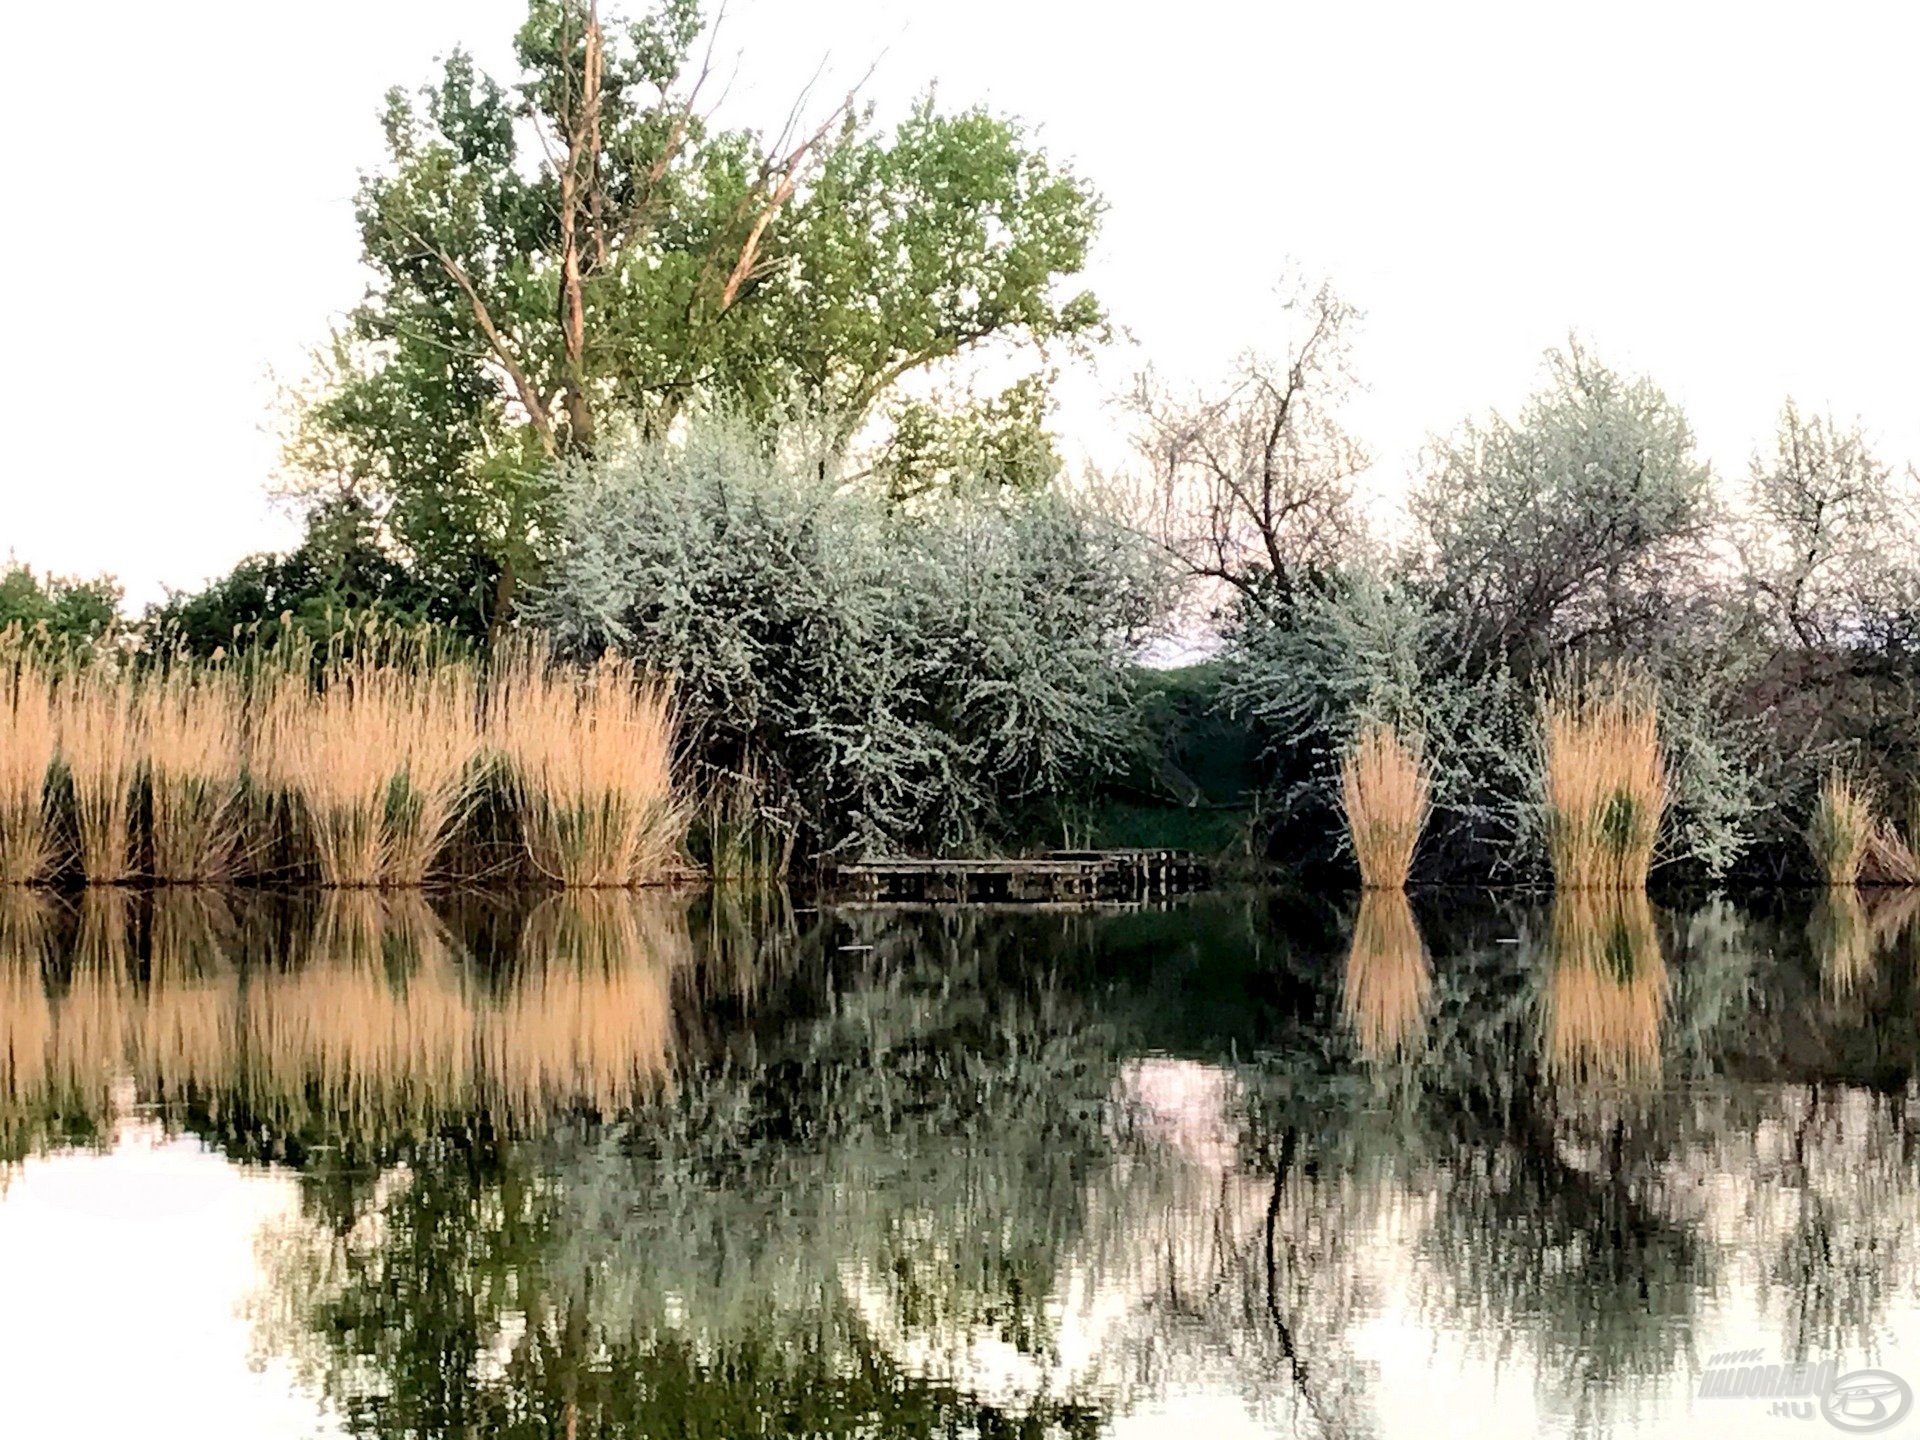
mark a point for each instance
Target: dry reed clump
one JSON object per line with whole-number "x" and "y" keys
{"x": 380, "y": 763}
{"x": 1851, "y": 843}
{"x": 1385, "y": 792}
{"x": 743, "y": 837}
{"x": 1842, "y": 828}
{"x": 28, "y": 745}
{"x": 194, "y": 726}
{"x": 1388, "y": 980}
{"x": 588, "y": 760}
{"x": 1607, "y": 989}
{"x": 99, "y": 718}
{"x": 1605, "y": 783}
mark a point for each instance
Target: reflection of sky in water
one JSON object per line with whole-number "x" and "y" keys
{"x": 1236, "y": 1167}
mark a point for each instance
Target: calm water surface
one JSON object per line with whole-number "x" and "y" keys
{"x": 727, "y": 1166}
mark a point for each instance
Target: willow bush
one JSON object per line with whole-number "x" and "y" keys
{"x": 895, "y": 677}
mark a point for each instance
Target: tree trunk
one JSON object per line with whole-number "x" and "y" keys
{"x": 506, "y": 587}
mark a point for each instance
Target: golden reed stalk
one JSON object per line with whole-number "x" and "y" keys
{"x": 1385, "y": 792}
{"x": 1605, "y": 782}
{"x": 101, "y": 742}
{"x": 588, "y": 757}
{"x": 194, "y": 727}
{"x": 27, "y": 749}
{"x": 380, "y": 763}
{"x": 1842, "y": 828}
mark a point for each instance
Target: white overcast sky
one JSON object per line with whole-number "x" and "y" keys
{"x": 1720, "y": 195}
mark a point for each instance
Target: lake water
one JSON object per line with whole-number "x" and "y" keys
{"x": 728, "y": 1166}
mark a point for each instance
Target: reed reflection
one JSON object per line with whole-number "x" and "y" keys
{"x": 1851, "y": 929}
{"x": 1607, "y": 988}
{"x": 1387, "y": 989}
{"x": 359, "y": 1019}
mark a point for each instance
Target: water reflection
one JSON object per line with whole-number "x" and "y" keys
{"x": 718, "y": 1165}
{"x": 360, "y": 1020}
{"x": 1852, "y": 929}
{"x": 1606, "y": 992}
{"x": 1388, "y": 979}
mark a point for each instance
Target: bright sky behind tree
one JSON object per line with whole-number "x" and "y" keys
{"x": 1719, "y": 196}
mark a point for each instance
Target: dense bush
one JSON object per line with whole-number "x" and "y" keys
{"x": 339, "y": 575}
{"x": 1583, "y": 532}
{"x": 939, "y": 674}
{"x": 63, "y": 607}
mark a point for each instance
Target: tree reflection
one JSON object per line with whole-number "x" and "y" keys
{"x": 631, "y": 1165}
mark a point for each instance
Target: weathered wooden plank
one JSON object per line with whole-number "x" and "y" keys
{"x": 1060, "y": 874}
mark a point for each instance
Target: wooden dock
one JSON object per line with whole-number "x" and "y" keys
{"x": 1059, "y": 875}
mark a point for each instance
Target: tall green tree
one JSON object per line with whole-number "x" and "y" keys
{"x": 60, "y": 606}
{"x": 583, "y": 249}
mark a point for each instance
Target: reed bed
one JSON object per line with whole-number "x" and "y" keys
{"x": 365, "y": 767}
{"x": 1386, "y": 793}
{"x": 101, "y": 745}
{"x": 1606, "y": 991}
{"x": 1605, "y": 782}
{"x": 1388, "y": 982}
{"x": 28, "y": 746}
{"x": 194, "y": 728}
{"x": 380, "y": 762}
{"x": 588, "y": 759}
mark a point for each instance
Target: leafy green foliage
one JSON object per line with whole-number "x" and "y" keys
{"x": 529, "y": 301}
{"x": 999, "y": 443}
{"x": 338, "y": 576}
{"x": 63, "y": 607}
